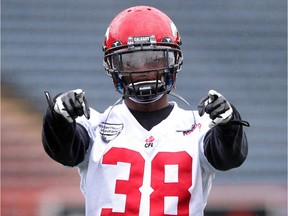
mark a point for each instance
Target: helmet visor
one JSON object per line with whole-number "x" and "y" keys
{"x": 142, "y": 60}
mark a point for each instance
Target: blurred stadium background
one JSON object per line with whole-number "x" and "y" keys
{"x": 235, "y": 47}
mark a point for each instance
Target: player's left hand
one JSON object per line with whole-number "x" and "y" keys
{"x": 218, "y": 108}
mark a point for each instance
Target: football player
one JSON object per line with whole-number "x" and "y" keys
{"x": 144, "y": 155}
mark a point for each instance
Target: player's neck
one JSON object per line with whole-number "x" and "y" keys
{"x": 148, "y": 107}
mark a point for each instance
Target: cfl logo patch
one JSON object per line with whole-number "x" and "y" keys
{"x": 149, "y": 142}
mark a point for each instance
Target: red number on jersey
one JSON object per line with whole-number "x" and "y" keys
{"x": 178, "y": 188}
{"x": 163, "y": 186}
{"x": 130, "y": 187}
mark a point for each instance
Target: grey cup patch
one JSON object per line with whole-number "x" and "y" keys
{"x": 110, "y": 131}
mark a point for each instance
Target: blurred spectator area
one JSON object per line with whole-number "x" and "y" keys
{"x": 31, "y": 183}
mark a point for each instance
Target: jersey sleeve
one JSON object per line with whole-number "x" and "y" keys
{"x": 64, "y": 142}
{"x": 226, "y": 146}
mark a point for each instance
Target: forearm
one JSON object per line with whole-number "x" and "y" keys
{"x": 226, "y": 147}
{"x": 65, "y": 142}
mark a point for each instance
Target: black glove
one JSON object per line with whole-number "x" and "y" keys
{"x": 70, "y": 105}
{"x": 218, "y": 108}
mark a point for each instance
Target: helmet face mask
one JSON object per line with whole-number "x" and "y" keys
{"x": 143, "y": 68}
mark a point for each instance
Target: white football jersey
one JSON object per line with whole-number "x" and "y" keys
{"x": 131, "y": 171}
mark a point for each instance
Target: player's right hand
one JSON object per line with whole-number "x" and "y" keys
{"x": 72, "y": 104}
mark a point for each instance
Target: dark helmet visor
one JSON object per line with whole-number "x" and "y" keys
{"x": 142, "y": 60}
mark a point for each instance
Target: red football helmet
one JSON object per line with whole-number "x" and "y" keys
{"x": 139, "y": 41}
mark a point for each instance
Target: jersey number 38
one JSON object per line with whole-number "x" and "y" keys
{"x": 163, "y": 188}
